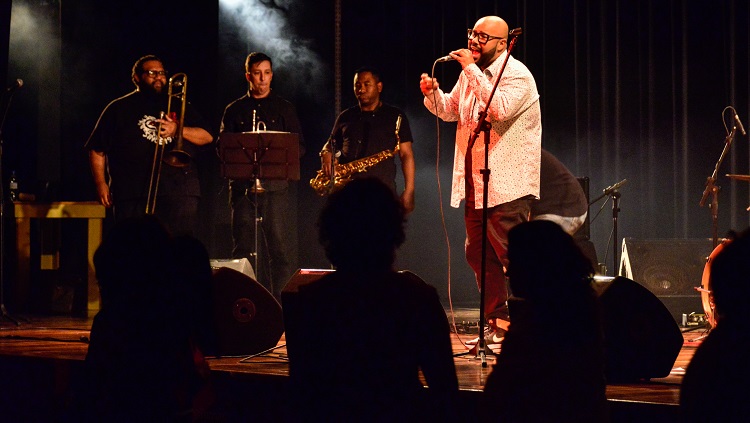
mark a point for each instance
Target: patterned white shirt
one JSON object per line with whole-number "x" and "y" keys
{"x": 515, "y": 139}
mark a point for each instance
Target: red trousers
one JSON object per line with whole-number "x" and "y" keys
{"x": 499, "y": 221}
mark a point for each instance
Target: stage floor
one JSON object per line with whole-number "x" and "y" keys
{"x": 39, "y": 357}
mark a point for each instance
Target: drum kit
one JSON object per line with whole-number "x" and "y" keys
{"x": 712, "y": 191}
{"x": 705, "y": 288}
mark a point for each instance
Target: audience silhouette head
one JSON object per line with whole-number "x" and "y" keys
{"x": 720, "y": 361}
{"x": 545, "y": 262}
{"x": 130, "y": 260}
{"x": 729, "y": 274}
{"x": 361, "y": 226}
{"x": 144, "y": 361}
{"x": 534, "y": 378}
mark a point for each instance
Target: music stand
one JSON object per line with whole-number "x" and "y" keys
{"x": 259, "y": 155}
{"x": 251, "y": 156}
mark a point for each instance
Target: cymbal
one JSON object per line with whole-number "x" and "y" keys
{"x": 739, "y": 177}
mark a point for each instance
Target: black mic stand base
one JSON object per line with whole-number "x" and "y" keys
{"x": 478, "y": 354}
{"x": 480, "y": 350}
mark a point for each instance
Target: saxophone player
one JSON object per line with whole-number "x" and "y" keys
{"x": 367, "y": 129}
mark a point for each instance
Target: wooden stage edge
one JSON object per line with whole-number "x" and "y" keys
{"x": 40, "y": 358}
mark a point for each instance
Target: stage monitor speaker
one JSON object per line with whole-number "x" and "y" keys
{"x": 642, "y": 340}
{"x": 241, "y": 265}
{"x": 247, "y": 318}
{"x": 669, "y": 268}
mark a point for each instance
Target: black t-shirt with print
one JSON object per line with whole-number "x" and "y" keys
{"x": 126, "y": 133}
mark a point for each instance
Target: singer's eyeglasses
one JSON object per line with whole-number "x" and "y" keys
{"x": 153, "y": 73}
{"x": 481, "y": 38}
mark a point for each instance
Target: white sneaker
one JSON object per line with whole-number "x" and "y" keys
{"x": 491, "y": 337}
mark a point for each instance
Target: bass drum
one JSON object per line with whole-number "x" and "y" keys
{"x": 705, "y": 289}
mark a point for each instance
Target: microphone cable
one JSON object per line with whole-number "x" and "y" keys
{"x": 441, "y": 208}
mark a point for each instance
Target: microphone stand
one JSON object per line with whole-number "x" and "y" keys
{"x": 615, "y": 247}
{"x": 485, "y": 126}
{"x": 613, "y": 192}
{"x": 255, "y": 188}
{"x": 3, "y": 310}
{"x": 713, "y": 190}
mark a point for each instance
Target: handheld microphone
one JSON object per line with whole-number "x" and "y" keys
{"x": 736, "y": 118}
{"x": 513, "y": 32}
{"x": 16, "y": 85}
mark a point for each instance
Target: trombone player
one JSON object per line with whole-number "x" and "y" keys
{"x": 122, "y": 150}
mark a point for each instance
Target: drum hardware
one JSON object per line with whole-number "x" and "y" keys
{"x": 693, "y": 320}
{"x": 740, "y": 178}
{"x": 712, "y": 189}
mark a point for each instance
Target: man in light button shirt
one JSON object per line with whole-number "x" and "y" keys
{"x": 515, "y": 140}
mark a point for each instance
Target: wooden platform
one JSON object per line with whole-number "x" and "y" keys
{"x": 41, "y": 357}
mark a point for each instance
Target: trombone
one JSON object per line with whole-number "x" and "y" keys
{"x": 177, "y": 156}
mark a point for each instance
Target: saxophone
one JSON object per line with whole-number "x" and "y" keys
{"x": 343, "y": 173}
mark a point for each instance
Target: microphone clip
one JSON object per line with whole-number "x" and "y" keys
{"x": 612, "y": 188}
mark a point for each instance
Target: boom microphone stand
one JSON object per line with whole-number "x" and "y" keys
{"x": 711, "y": 188}
{"x": 3, "y": 310}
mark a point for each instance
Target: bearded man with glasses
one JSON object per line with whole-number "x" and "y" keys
{"x": 513, "y": 159}
{"x": 121, "y": 151}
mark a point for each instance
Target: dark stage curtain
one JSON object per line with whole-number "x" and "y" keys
{"x": 629, "y": 90}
